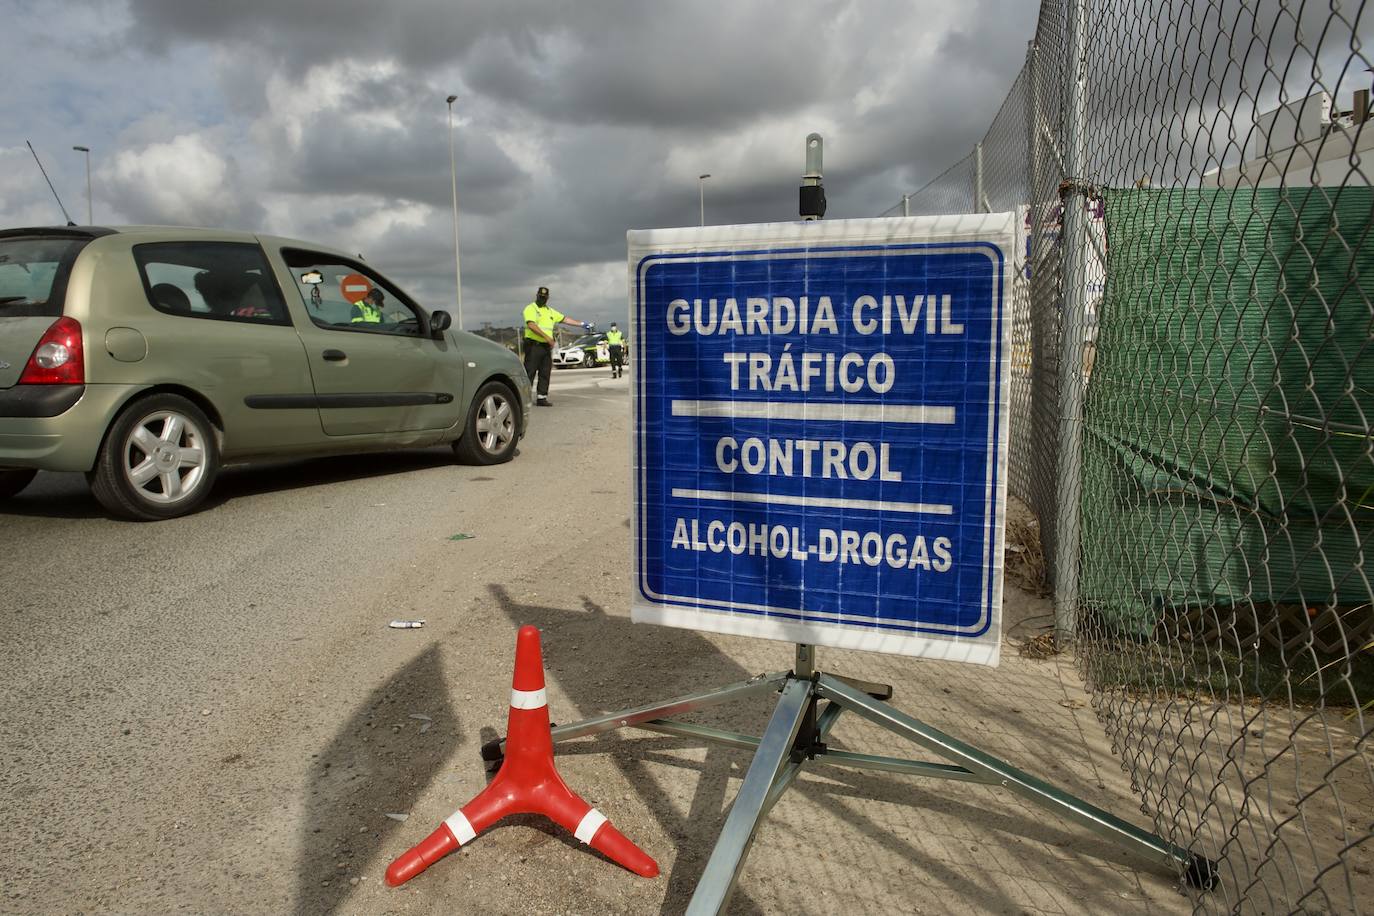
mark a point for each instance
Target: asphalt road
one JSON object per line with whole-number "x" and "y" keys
{"x": 210, "y": 715}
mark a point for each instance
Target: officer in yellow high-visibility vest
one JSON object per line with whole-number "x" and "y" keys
{"x": 540, "y": 319}
{"x": 368, "y": 309}
{"x": 616, "y": 342}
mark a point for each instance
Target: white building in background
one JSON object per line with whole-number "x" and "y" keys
{"x": 1306, "y": 143}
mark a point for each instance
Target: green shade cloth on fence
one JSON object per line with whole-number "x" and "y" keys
{"x": 1226, "y": 451}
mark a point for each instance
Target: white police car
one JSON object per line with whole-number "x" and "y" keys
{"x": 587, "y": 351}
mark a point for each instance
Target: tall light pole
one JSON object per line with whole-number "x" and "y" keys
{"x": 453, "y": 175}
{"x": 90, "y": 220}
{"x": 701, "y": 196}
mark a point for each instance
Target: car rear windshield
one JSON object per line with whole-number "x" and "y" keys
{"x": 33, "y": 275}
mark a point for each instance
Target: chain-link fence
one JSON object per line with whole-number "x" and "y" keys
{"x": 1193, "y": 179}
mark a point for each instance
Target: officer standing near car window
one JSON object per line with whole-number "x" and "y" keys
{"x": 540, "y": 319}
{"x": 616, "y": 341}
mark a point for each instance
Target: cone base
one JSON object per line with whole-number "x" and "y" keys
{"x": 528, "y": 782}
{"x": 421, "y": 856}
{"x": 616, "y": 846}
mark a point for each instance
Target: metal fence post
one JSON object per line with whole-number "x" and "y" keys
{"x": 978, "y": 179}
{"x": 1072, "y": 323}
{"x": 1032, "y": 152}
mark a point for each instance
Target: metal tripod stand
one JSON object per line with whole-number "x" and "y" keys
{"x": 811, "y": 702}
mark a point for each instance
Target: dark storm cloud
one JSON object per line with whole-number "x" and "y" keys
{"x": 668, "y": 66}
{"x": 672, "y": 66}
{"x": 302, "y": 33}
{"x": 385, "y": 137}
{"x": 398, "y": 165}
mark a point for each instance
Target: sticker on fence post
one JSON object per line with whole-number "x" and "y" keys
{"x": 820, "y": 431}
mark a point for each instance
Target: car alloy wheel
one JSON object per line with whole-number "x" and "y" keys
{"x": 495, "y": 422}
{"x": 491, "y": 431}
{"x": 163, "y": 457}
{"x": 159, "y": 459}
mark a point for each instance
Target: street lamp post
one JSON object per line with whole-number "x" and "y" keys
{"x": 453, "y": 176}
{"x": 90, "y": 220}
{"x": 701, "y": 196}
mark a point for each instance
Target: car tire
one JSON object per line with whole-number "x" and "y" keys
{"x": 158, "y": 461}
{"x": 492, "y": 428}
{"x": 14, "y": 480}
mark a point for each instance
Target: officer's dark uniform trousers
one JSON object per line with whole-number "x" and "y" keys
{"x": 539, "y": 361}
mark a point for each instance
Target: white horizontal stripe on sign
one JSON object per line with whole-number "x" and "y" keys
{"x": 528, "y": 699}
{"x": 590, "y": 824}
{"x": 813, "y": 410}
{"x": 461, "y": 828}
{"x": 824, "y": 502}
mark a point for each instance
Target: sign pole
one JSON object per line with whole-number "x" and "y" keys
{"x": 810, "y": 206}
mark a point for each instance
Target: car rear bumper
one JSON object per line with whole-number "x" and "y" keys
{"x": 30, "y": 401}
{"x": 66, "y": 441}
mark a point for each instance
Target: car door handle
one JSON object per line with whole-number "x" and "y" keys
{"x": 334, "y": 356}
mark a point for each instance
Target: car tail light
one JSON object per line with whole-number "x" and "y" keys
{"x": 58, "y": 359}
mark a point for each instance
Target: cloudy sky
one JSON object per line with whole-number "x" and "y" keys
{"x": 575, "y": 121}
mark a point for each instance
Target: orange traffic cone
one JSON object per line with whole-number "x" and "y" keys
{"x": 527, "y": 783}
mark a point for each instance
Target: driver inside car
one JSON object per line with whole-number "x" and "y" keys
{"x": 368, "y": 309}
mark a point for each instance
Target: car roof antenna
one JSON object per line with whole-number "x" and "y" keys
{"x": 50, "y": 187}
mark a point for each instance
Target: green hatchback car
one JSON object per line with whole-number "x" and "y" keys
{"x": 150, "y": 357}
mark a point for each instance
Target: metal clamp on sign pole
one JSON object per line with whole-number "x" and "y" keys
{"x": 812, "y": 200}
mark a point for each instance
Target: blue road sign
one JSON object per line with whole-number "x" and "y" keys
{"x": 821, "y": 431}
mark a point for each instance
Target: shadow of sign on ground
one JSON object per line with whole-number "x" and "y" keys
{"x": 380, "y": 760}
{"x": 899, "y": 815}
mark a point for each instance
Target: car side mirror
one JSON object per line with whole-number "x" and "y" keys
{"x": 439, "y": 322}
